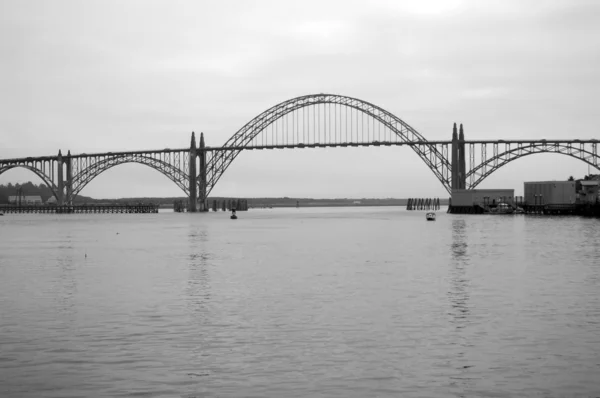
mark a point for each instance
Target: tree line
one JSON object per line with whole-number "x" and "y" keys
{"x": 30, "y": 189}
{"x": 26, "y": 189}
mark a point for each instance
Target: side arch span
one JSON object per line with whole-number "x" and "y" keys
{"x": 483, "y": 170}
{"x": 47, "y": 180}
{"x": 85, "y": 175}
{"x": 433, "y": 158}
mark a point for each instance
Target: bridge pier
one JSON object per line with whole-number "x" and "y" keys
{"x": 202, "y": 197}
{"x": 459, "y": 175}
{"x": 462, "y": 173}
{"x": 454, "y": 158}
{"x": 69, "y": 181}
{"x": 192, "y": 179}
{"x": 61, "y": 181}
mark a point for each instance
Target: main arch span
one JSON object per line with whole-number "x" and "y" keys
{"x": 322, "y": 120}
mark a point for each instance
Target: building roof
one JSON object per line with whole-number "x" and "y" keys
{"x": 550, "y": 182}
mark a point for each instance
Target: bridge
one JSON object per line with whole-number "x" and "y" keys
{"x": 310, "y": 121}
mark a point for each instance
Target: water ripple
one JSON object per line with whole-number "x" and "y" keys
{"x": 300, "y": 302}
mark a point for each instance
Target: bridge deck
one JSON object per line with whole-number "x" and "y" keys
{"x": 302, "y": 146}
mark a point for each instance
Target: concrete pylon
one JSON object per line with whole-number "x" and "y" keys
{"x": 454, "y": 159}
{"x": 192, "y": 185}
{"x": 69, "y": 182}
{"x": 202, "y": 199}
{"x": 462, "y": 172}
{"x": 61, "y": 181}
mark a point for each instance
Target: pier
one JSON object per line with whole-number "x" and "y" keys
{"x": 215, "y": 205}
{"x": 78, "y": 209}
{"x": 423, "y": 204}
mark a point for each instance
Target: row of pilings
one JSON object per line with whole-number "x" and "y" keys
{"x": 230, "y": 204}
{"x": 423, "y": 204}
{"x": 215, "y": 205}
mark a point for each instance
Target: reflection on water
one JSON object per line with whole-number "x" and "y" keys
{"x": 458, "y": 294}
{"x": 66, "y": 284}
{"x": 458, "y": 297}
{"x": 198, "y": 286}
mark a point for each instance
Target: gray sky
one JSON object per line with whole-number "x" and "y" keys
{"x": 114, "y": 75}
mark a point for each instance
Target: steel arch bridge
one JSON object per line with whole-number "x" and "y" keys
{"x": 310, "y": 121}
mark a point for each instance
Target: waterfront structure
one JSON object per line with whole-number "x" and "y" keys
{"x": 479, "y": 200}
{"x": 423, "y": 204}
{"x": 551, "y": 193}
{"x": 562, "y": 197}
{"x": 589, "y": 193}
{"x": 311, "y": 121}
{"x": 92, "y": 208}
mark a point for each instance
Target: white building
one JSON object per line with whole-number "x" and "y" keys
{"x": 25, "y": 199}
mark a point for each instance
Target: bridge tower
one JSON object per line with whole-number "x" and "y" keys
{"x": 61, "y": 181}
{"x": 454, "y": 160}
{"x": 192, "y": 180}
{"x": 202, "y": 177}
{"x": 462, "y": 173}
{"x": 459, "y": 175}
{"x": 69, "y": 181}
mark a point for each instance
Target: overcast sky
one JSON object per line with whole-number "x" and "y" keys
{"x": 125, "y": 75}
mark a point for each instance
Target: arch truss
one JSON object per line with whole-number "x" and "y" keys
{"x": 502, "y": 153}
{"x": 324, "y": 120}
{"x": 174, "y": 164}
{"x": 46, "y": 168}
{"x": 67, "y": 175}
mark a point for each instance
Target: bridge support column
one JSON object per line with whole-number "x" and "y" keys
{"x": 61, "y": 181}
{"x": 462, "y": 174}
{"x": 459, "y": 175}
{"x": 202, "y": 199}
{"x": 193, "y": 187}
{"x": 69, "y": 181}
{"x": 455, "y": 161}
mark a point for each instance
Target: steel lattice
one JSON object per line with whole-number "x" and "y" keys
{"x": 312, "y": 121}
{"x": 402, "y": 133}
{"x": 584, "y": 151}
{"x": 85, "y": 169}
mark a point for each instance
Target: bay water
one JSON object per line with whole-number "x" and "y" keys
{"x": 309, "y": 302}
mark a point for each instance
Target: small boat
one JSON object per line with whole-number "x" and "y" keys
{"x": 501, "y": 208}
{"x": 233, "y": 217}
{"x": 430, "y": 216}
